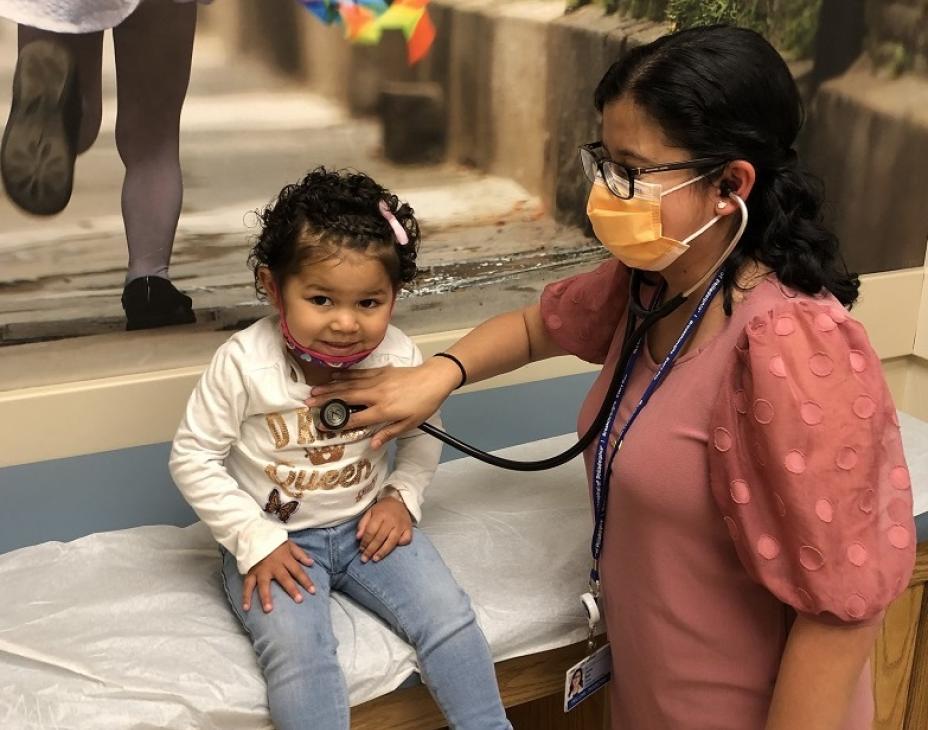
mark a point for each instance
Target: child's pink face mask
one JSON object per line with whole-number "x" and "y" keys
{"x": 319, "y": 358}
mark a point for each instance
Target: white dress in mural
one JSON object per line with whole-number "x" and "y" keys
{"x": 71, "y": 16}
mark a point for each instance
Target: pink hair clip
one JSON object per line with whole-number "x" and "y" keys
{"x": 402, "y": 238}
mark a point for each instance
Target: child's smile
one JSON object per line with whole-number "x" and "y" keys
{"x": 340, "y": 305}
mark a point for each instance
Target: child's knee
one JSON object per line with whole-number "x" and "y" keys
{"x": 442, "y": 612}
{"x": 147, "y": 141}
{"x": 292, "y": 644}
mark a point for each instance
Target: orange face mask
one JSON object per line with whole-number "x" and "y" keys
{"x": 632, "y": 229}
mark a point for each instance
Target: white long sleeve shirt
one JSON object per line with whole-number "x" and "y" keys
{"x": 250, "y": 460}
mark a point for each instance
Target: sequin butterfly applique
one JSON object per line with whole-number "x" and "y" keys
{"x": 275, "y": 506}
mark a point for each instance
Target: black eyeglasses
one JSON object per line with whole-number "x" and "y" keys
{"x": 620, "y": 179}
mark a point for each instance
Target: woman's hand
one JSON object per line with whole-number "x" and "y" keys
{"x": 285, "y": 565}
{"x": 402, "y": 398}
{"x": 384, "y": 526}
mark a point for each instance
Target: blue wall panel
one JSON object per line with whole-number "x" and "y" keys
{"x": 64, "y": 499}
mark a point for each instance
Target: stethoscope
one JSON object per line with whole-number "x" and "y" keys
{"x": 334, "y": 414}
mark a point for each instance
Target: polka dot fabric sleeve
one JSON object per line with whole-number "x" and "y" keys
{"x": 582, "y": 313}
{"x": 806, "y": 464}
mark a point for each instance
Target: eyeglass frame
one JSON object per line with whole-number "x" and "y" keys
{"x": 634, "y": 172}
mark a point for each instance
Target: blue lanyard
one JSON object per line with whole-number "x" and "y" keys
{"x": 602, "y": 467}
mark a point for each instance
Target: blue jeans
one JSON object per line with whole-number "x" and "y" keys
{"x": 411, "y": 589}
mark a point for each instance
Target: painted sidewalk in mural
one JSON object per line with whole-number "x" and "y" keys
{"x": 244, "y": 135}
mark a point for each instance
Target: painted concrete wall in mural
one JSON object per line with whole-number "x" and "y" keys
{"x": 500, "y": 197}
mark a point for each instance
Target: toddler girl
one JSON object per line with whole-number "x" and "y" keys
{"x": 299, "y": 511}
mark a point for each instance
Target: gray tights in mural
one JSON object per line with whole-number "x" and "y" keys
{"x": 153, "y": 49}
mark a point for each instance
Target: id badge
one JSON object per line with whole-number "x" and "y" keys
{"x": 586, "y": 677}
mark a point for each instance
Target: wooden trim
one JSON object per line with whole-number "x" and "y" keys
{"x": 920, "y": 574}
{"x": 548, "y": 714}
{"x": 892, "y": 661}
{"x": 900, "y": 657}
{"x": 916, "y": 715}
{"x": 521, "y": 680}
{"x": 920, "y": 347}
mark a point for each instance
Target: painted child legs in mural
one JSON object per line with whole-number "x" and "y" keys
{"x": 56, "y": 115}
{"x": 153, "y": 51}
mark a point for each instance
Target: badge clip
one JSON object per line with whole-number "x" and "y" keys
{"x": 591, "y": 608}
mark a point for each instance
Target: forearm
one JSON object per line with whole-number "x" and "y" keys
{"x": 504, "y": 343}
{"x": 234, "y": 518}
{"x": 820, "y": 668}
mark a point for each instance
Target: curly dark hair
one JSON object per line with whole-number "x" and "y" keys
{"x": 720, "y": 91}
{"x": 328, "y": 210}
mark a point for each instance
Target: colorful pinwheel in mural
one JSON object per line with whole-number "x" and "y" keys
{"x": 366, "y": 20}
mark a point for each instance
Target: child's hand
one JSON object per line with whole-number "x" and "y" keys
{"x": 285, "y": 565}
{"x": 383, "y": 527}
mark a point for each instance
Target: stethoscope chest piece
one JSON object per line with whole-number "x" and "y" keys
{"x": 335, "y": 414}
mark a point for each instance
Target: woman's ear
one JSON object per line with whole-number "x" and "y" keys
{"x": 269, "y": 284}
{"x": 738, "y": 178}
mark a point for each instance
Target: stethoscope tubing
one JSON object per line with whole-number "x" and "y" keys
{"x": 634, "y": 333}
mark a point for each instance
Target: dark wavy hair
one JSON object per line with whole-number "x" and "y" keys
{"x": 720, "y": 91}
{"x": 329, "y": 210}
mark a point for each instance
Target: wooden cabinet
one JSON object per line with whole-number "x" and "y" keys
{"x": 532, "y": 689}
{"x": 900, "y": 658}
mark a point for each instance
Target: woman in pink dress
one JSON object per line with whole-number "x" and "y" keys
{"x": 759, "y": 513}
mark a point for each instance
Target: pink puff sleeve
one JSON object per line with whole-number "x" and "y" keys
{"x": 806, "y": 464}
{"x": 583, "y": 312}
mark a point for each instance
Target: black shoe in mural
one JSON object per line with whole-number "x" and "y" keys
{"x": 151, "y": 301}
{"x": 40, "y": 139}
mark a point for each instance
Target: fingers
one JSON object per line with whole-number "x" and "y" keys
{"x": 300, "y": 554}
{"x": 374, "y": 523}
{"x": 390, "y": 432}
{"x": 406, "y": 536}
{"x": 248, "y": 589}
{"x": 287, "y": 575}
{"x": 376, "y": 542}
{"x": 362, "y": 525}
{"x": 296, "y": 570}
{"x": 357, "y": 394}
{"x": 264, "y": 591}
{"x": 391, "y": 542}
{"x": 285, "y": 578}
{"x": 370, "y": 417}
